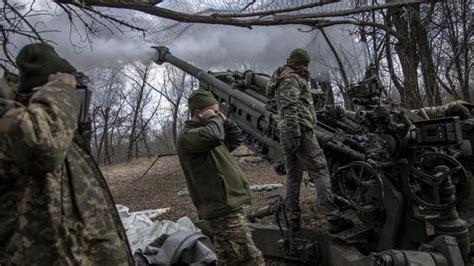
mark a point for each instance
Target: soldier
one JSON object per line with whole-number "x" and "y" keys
{"x": 55, "y": 206}
{"x": 455, "y": 108}
{"x": 217, "y": 186}
{"x": 297, "y": 119}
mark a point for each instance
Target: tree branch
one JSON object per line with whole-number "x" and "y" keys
{"x": 25, "y": 20}
{"x": 354, "y": 11}
{"x": 273, "y": 12}
{"x": 214, "y": 19}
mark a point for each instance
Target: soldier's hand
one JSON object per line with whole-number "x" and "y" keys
{"x": 66, "y": 78}
{"x": 204, "y": 116}
{"x": 221, "y": 116}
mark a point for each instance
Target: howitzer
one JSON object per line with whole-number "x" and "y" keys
{"x": 402, "y": 193}
{"x": 241, "y": 96}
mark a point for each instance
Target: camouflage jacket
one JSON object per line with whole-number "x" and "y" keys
{"x": 55, "y": 207}
{"x": 294, "y": 101}
{"x": 440, "y": 111}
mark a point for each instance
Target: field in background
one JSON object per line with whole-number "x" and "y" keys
{"x": 159, "y": 187}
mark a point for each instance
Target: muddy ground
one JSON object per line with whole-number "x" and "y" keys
{"x": 159, "y": 187}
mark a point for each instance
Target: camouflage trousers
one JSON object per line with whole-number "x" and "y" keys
{"x": 310, "y": 157}
{"x": 233, "y": 241}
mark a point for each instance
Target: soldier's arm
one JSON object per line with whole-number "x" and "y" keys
{"x": 289, "y": 93}
{"x": 271, "y": 85}
{"x": 36, "y": 137}
{"x": 204, "y": 138}
{"x": 233, "y": 135}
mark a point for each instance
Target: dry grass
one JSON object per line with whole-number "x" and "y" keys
{"x": 159, "y": 187}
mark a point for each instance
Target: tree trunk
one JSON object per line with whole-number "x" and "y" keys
{"x": 406, "y": 49}
{"x": 107, "y": 150}
{"x": 428, "y": 69}
{"x": 132, "y": 138}
{"x": 459, "y": 40}
{"x": 175, "y": 124}
{"x": 103, "y": 138}
{"x": 145, "y": 143}
{"x": 347, "y": 99}
{"x": 388, "y": 51}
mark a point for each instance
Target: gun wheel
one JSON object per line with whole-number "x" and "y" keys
{"x": 360, "y": 184}
{"x": 437, "y": 181}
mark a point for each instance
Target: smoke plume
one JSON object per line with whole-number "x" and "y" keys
{"x": 212, "y": 47}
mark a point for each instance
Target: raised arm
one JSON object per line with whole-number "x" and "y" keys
{"x": 233, "y": 135}
{"x": 203, "y": 138}
{"x": 35, "y": 138}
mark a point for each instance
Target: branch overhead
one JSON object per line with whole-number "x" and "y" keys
{"x": 271, "y": 17}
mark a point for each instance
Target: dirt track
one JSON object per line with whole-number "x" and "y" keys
{"x": 159, "y": 187}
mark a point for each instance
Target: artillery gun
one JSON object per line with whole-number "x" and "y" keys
{"x": 402, "y": 192}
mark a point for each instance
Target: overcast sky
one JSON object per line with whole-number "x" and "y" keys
{"x": 208, "y": 46}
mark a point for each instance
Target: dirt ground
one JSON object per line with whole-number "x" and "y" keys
{"x": 159, "y": 187}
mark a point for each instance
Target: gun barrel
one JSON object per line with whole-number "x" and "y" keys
{"x": 164, "y": 55}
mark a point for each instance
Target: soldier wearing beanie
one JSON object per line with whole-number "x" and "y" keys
{"x": 297, "y": 119}
{"x": 36, "y": 62}
{"x": 216, "y": 185}
{"x": 55, "y": 206}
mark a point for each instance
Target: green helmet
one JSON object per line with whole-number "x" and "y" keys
{"x": 298, "y": 57}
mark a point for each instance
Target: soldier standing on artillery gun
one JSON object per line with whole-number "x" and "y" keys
{"x": 216, "y": 185}
{"x": 297, "y": 120}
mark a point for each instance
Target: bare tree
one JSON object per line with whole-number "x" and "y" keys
{"x": 421, "y": 58}
{"x": 342, "y": 71}
{"x": 138, "y": 98}
{"x": 452, "y": 35}
{"x": 108, "y": 103}
{"x": 177, "y": 86}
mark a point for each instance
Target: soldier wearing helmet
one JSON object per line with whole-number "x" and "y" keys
{"x": 289, "y": 86}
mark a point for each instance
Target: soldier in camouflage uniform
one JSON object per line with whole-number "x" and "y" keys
{"x": 297, "y": 120}
{"x": 455, "y": 108}
{"x": 55, "y": 206}
{"x": 217, "y": 186}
